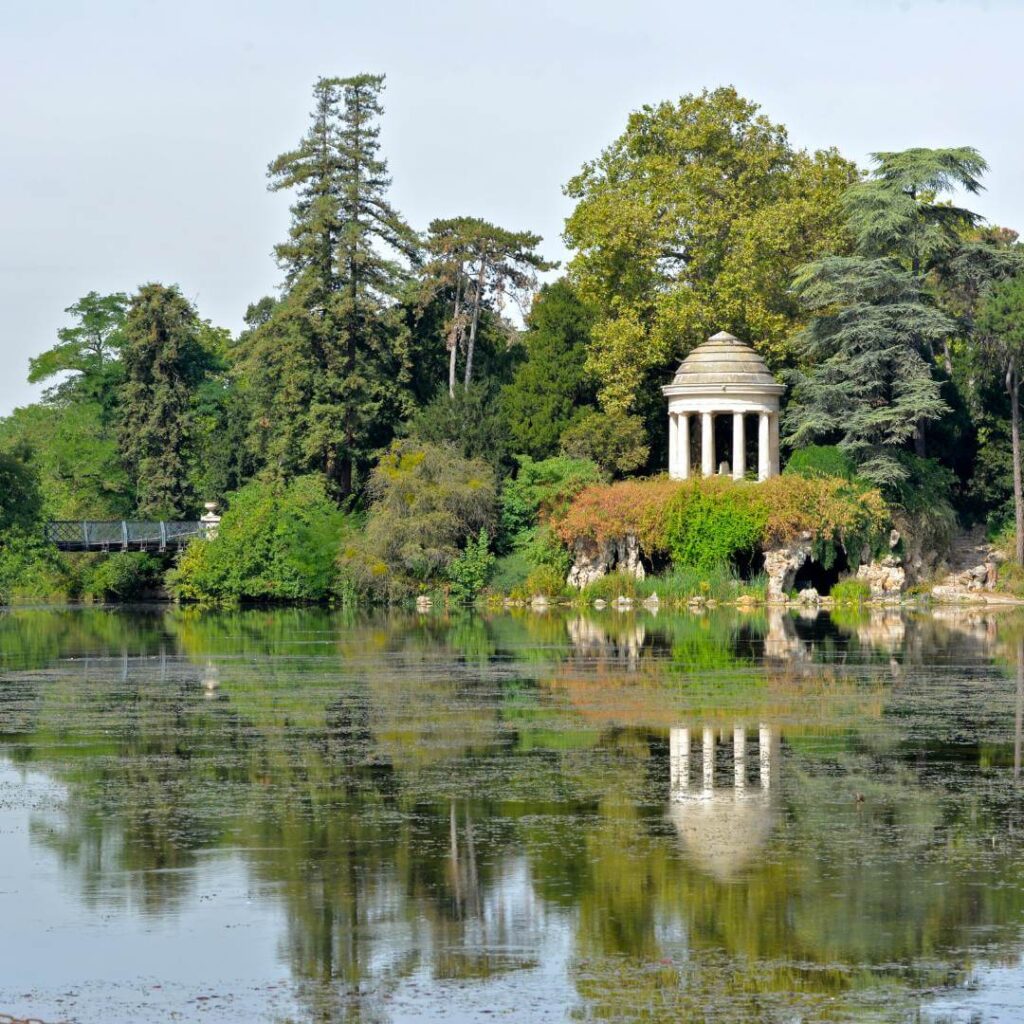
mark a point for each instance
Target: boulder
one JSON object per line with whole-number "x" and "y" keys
{"x": 885, "y": 576}
{"x": 591, "y": 560}
{"x": 781, "y": 564}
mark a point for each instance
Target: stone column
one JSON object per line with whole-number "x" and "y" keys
{"x": 773, "y": 440}
{"x": 679, "y": 762}
{"x": 763, "y": 448}
{"x": 708, "y": 753}
{"x": 739, "y": 445}
{"x": 707, "y": 444}
{"x": 673, "y": 456}
{"x": 683, "y": 446}
{"x": 739, "y": 758}
{"x": 764, "y": 751}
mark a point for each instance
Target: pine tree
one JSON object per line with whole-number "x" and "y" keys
{"x": 164, "y": 362}
{"x": 876, "y": 324}
{"x": 476, "y": 263}
{"x": 329, "y": 369}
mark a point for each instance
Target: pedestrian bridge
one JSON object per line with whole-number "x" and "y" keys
{"x": 124, "y": 534}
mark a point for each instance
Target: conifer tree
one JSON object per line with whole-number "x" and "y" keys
{"x": 164, "y": 361}
{"x": 329, "y": 368}
{"x": 876, "y": 325}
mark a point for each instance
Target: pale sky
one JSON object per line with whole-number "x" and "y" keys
{"x": 136, "y": 134}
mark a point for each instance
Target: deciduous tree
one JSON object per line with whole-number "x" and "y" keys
{"x": 692, "y": 221}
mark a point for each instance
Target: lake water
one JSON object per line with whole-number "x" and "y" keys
{"x": 314, "y": 816}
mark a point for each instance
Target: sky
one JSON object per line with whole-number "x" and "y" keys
{"x": 137, "y": 134}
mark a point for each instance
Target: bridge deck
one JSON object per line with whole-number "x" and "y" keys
{"x": 122, "y": 534}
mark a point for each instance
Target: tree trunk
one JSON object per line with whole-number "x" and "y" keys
{"x": 453, "y": 335}
{"x": 1013, "y": 387}
{"x": 920, "y": 440}
{"x": 477, "y": 302}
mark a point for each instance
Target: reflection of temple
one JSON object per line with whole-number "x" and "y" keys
{"x": 725, "y": 819}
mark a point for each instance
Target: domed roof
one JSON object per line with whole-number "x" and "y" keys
{"x": 723, "y": 831}
{"x": 724, "y": 362}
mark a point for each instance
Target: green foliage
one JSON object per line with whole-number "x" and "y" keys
{"x": 510, "y": 574}
{"x": 821, "y": 460}
{"x": 471, "y": 422}
{"x": 664, "y": 267}
{"x": 122, "y": 576}
{"x": 706, "y": 531}
{"x": 476, "y": 263}
{"x": 425, "y": 501}
{"x": 545, "y": 581}
{"x": 552, "y": 385}
{"x": 615, "y": 441}
{"x": 274, "y": 543}
{"x": 328, "y": 369}
{"x": 870, "y": 386}
{"x": 31, "y": 569}
{"x": 470, "y": 573}
{"x": 850, "y": 592}
{"x": 20, "y": 500}
{"x": 86, "y": 356}
{"x": 164, "y": 361}
{"x": 543, "y": 488}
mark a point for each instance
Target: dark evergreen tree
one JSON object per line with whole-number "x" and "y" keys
{"x": 328, "y": 366}
{"x": 551, "y": 386}
{"x": 876, "y": 326}
{"x": 164, "y": 362}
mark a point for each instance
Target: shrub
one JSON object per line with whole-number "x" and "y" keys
{"x": 545, "y": 581}
{"x": 821, "y": 460}
{"x": 729, "y": 516}
{"x": 274, "y": 543}
{"x": 124, "y": 575}
{"x": 510, "y": 574}
{"x": 542, "y": 489}
{"x": 426, "y": 499}
{"x": 617, "y": 442}
{"x": 31, "y": 570}
{"x": 709, "y": 526}
{"x": 850, "y": 592}
{"x": 471, "y": 571}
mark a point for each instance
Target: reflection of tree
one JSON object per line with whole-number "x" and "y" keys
{"x": 419, "y": 795}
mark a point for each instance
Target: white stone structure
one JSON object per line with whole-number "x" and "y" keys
{"x": 722, "y": 377}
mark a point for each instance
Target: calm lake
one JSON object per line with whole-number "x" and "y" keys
{"x": 316, "y": 816}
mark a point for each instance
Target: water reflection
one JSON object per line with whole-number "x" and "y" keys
{"x": 728, "y": 817}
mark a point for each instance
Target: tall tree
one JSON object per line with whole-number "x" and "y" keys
{"x": 692, "y": 221}
{"x": 882, "y": 315}
{"x": 164, "y": 362}
{"x": 478, "y": 263}
{"x": 1001, "y": 323}
{"x": 86, "y": 355}
{"x": 869, "y": 386}
{"x": 329, "y": 367}
{"x": 552, "y": 386}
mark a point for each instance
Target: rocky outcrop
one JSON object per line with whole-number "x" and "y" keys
{"x": 592, "y": 560}
{"x": 974, "y": 569}
{"x": 783, "y": 562}
{"x": 885, "y": 576}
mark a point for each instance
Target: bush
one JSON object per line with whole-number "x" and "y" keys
{"x": 124, "y": 576}
{"x": 708, "y": 528}
{"x": 471, "y": 571}
{"x": 426, "y": 499}
{"x": 726, "y": 512}
{"x": 510, "y": 574}
{"x": 274, "y": 543}
{"x": 545, "y": 581}
{"x": 542, "y": 489}
{"x": 617, "y": 442}
{"x": 31, "y": 570}
{"x": 850, "y": 592}
{"x": 821, "y": 460}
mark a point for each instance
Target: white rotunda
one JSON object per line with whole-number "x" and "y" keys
{"x": 723, "y": 377}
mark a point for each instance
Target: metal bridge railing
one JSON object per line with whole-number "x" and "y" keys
{"x": 122, "y": 534}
